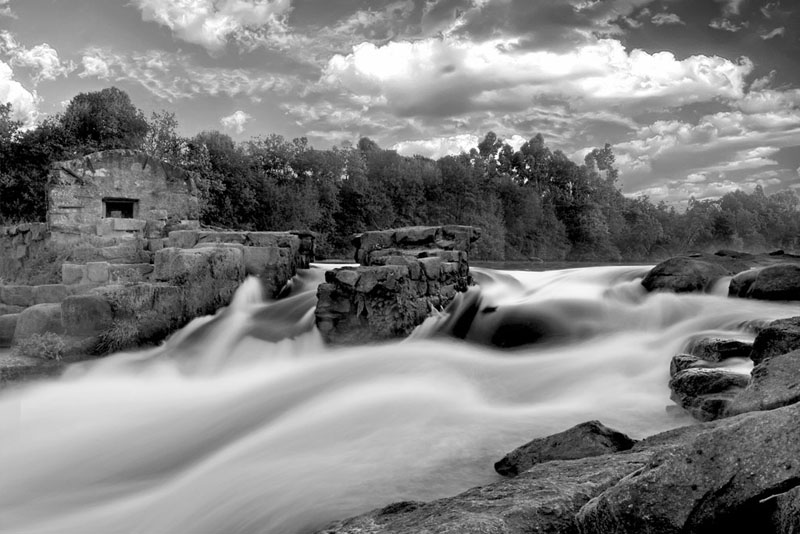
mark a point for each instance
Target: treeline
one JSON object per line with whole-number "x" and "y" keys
{"x": 531, "y": 203}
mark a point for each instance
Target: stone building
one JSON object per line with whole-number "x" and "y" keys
{"x": 117, "y": 193}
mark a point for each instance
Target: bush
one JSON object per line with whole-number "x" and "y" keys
{"x": 123, "y": 334}
{"x": 47, "y": 346}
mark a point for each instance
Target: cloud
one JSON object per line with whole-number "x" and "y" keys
{"x": 438, "y": 146}
{"x": 173, "y": 75}
{"x": 23, "y": 102}
{"x": 446, "y": 77}
{"x": 236, "y": 121}
{"x": 730, "y": 7}
{"x": 5, "y": 9}
{"x": 774, "y": 33}
{"x": 42, "y": 60}
{"x": 211, "y": 23}
{"x": 661, "y": 19}
{"x": 727, "y": 25}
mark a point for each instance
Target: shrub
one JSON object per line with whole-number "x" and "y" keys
{"x": 122, "y": 334}
{"x": 47, "y": 346}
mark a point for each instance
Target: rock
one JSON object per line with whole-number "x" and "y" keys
{"x": 17, "y": 295}
{"x": 38, "y": 319}
{"x": 683, "y": 275}
{"x": 681, "y": 362}
{"x": 220, "y": 237}
{"x": 778, "y": 337}
{"x": 706, "y": 393}
{"x": 97, "y": 272}
{"x": 545, "y": 498}
{"x": 72, "y": 273}
{"x": 50, "y": 294}
{"x": 182, "y": 239}
{"x": 15, "y": 369}
{"x": 7, "y": 309}
{"x": 720, "y": 480}
{"x": 776, "y": 282}
{"x": 86, "y": 315}
{"x": 775, "y": 382}
{"x": 717, "y": 350}
{"x": 586, "y": 439}
{"x": 741, "y": 283}
{"x": 8, "y": 323}
{"x": 785, "y": 512}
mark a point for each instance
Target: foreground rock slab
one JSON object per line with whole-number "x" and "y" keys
{"x": 581, "y": 441}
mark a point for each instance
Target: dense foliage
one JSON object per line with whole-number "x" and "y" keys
{"x": 531, "y": 203}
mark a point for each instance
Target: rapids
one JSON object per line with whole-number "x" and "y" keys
{"x": 245, "y": 422}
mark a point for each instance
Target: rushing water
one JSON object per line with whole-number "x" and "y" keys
{"x": 245, "y": 423}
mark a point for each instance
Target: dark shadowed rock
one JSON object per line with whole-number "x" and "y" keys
{"x": 706, "y": 393}
{"x": 684, "y": 274}
{"x": 741, "y": 283}
{"x": 776, "y": 282}
{"x": 718, "y": 481}
{"x": 785, "y": 512}
{"x": 681, "y": 362}
{"x": 775, "y": 382}
{"x": 778, "y": 337}
{"x": 543, "y": 499}
{"x": 8, "y": 323}
{"x": 586, "y": 439}
{"x": 86, "y": 315}
{"x": 717, "y": 350}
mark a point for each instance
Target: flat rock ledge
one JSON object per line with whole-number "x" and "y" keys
{"x": 404, "y": 273}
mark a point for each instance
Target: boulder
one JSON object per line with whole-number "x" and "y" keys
{"x": 741, "y": 283}
{"x": 717, "y": 349}
{"x": 775, "y": 382}
{"x": 683, "y": 275}
{"x": 706, "y": 393}
{"x": 721, "y": 480}
{"x": 586, "y": 439}
{"x": 776, "y": 282}
{"x": 545, "y": 498}
{"x": 778, "y": 337}
{"x": 86, "y": 315}
{"x": 38, "y": 319}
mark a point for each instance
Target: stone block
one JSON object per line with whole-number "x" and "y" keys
{"x": 86, "y": 315}
{"x": 105, "y": 227}
{"x": 97, "y": 272}
{"x": 131, "y": 272}
{"x": 129, "y": 225}
{"x": 155, "y": 229}
{"x": 38, "y": 319}
{"x": 183, "y": 238}
{"x": 257, "y": 260}
{"x": 347, "y": 277}
{"x": 154, "y": 245}
{"x": 7, "y": 309}
{"x": 220, "y": 237}
{"x": 17, "y": 295}
{"x": 20, "y": 252}
{"x": 416, "y": 235}
{"x": 431, "y": 267}
{"x": 51, "y": 293}
{"x": 72, "y": 273}
{"x": 8, "y": 323}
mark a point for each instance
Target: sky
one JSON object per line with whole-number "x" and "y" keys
{"x": 697, "y": 97}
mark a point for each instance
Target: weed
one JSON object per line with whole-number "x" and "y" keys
{"x": 47, "y": 346}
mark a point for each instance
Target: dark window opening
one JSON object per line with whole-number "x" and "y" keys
{"x": 121, "y": 208}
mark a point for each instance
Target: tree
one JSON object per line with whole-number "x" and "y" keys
{"x": 103, "y": 120}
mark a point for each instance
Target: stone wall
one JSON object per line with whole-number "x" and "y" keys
{"x": 164, "y": 194}
{"x": 403, "y": 274}
{"x": 18, "y": 244}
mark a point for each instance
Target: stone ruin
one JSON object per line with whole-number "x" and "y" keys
{"x": 403, "y": 275}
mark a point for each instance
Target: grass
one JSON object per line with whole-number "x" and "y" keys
{"x": 47, "y": 346}
{"x": 123, "y": 334}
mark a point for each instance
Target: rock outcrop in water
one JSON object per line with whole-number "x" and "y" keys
{"x": 404, "y": 273}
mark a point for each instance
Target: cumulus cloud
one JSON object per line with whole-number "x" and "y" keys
{"x": 211, "y": 23}
{"x": 23, "y": 102}
{"x": 438, "y": 146}
{"x": 661, "y": 19}
{"x": 440, "y": 77}
{"x": 174, "y": 75}
{"x": 727, "y": 25}
{"x": 236, "y": 121}
{"x": 5, "y": 9}
{"x": 41, "y": 60}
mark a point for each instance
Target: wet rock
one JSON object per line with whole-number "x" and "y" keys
{"x": 683, "y": 275}
{"x": 545, "y": 498}
{"x": 741, "y": 283}
{"x": 706, "y": 393}
{"x": 717, "y": 349}
{"x": 776, "y": 282}
{"x": 681, "y": 362}
{"x": 586, "y": 439}
{"x": 720, "y": 480}
{"x": 778, "y": 337}
{"x": 775, "y": 382}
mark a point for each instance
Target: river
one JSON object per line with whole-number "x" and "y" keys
{"x": 246, "y": 423}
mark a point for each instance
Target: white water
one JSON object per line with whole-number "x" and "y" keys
{"x": 246, "y": 423}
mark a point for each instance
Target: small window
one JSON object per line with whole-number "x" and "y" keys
{"x": 121, "y": 208}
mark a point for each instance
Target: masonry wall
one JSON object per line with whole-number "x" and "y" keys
{"x": 77, "y": 189}
{"x": 18, "y": 244}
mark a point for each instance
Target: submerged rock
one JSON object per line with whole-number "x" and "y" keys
{"x": 717, "y": 349}
{"x": 586, "y": 439}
